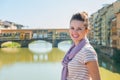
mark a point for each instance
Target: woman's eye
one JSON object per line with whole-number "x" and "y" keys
{"x": 72, "y": 28}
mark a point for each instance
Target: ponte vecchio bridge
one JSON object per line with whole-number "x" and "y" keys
{"x": 25, "y": 36}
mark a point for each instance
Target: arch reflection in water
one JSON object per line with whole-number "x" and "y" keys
{"x": 64, "y": 45}
{"x": 22, "y": 66}
{"x": 40, "y": 57}
{"x": 10, "y": 50}
{"x": 41, "y": 49}
{"x": 40, "y": 46}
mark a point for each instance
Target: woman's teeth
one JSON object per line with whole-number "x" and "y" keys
{"x": 75, "y": 36}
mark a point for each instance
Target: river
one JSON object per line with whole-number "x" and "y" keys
{"x": 24, "y": 64}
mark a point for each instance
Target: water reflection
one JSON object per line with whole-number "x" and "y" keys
{"x": 40, "y": 57}
{"x": 25, "y": 55}
{"x": 10, "y": 50}
{"x": 31, "y": 71}
{"x": 108, "y": 62}
{"x": 23, "y": 64}
{"x": 40, "y": 47}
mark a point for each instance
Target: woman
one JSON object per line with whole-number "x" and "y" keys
{"x": 80, "y": 62}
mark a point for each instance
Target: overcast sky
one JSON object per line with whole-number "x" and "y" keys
{"x": 46, "y": 13}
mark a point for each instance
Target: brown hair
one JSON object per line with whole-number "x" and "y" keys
{"x": 81, "y": 16}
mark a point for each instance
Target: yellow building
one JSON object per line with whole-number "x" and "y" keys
{"x": 101, "y": 23}
{"x": 92, "y": 34}
{"x": 103, "y": 26}
{"x": 116, "y": 31}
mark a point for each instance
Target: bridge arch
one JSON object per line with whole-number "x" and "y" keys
{"x": 10, "y": 44}
{"x": 57, "y": 41}
{"x": 24, "y": 43}
{"x": 65, "y": 45}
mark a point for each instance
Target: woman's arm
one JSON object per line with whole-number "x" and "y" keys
{"x": 93, "y": 69}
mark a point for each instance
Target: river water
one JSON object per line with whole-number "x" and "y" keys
{"x": 25, "y": 64}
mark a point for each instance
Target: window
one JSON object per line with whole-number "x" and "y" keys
{"x": 119, "y": 34}
{"x": 114, "y": 42}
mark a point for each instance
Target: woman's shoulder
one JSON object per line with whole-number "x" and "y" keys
{"x": 88, "y": 48}
{"x": 87, "y": 53}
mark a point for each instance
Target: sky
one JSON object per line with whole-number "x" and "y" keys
{"x": 46, "y": 13}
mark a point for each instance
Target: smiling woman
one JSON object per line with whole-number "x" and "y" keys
{"x": 80, "y": 62}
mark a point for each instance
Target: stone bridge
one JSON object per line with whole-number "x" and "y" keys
{"x": 25, "y": 43}
{"x": 25, "y": 36}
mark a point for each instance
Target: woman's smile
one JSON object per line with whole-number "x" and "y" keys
{"x": 75, "y": 35}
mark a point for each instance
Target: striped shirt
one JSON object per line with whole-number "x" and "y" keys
{"x": 77, "y": 69}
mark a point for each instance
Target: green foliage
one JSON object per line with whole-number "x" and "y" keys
{"x": 10, "y": 45}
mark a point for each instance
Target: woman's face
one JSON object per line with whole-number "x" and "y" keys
{"x": 77, "y": 31}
